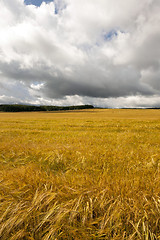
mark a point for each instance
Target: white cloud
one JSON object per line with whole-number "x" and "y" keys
{"x": 69, "y": 51}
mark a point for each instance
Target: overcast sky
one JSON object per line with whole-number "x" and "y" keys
{"x": 70, "y": 52}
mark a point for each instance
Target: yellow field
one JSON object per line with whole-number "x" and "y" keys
{"x": 80, "y": 175}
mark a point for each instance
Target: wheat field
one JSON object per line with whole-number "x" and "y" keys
{"x": 89, "y": 174}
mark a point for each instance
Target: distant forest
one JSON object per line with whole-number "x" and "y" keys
{"x": 30, "y": 108}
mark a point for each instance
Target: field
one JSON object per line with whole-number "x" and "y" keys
{"x": 91, "y": 174}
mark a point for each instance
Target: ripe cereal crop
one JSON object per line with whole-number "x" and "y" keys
{"x": 87, "y": 174}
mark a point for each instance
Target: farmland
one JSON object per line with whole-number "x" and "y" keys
{"x": 87, "y": 174}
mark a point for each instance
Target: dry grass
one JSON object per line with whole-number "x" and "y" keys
{"x": 80, "y": 175}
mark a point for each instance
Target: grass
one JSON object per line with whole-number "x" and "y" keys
{"x": 80, "y": 175}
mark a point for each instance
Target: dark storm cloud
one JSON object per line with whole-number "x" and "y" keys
{"x": 96, "y": 84}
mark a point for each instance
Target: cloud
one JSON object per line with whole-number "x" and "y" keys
{"x": 79, "y": 52}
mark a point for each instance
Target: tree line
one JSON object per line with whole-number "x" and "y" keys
{"x": 31, "y": 108}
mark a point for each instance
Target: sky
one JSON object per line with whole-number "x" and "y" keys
{"x": 70, "y": 52}
{"x": 36, "y": 2}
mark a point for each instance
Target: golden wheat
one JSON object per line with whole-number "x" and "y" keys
{"x": 80, "y": 175}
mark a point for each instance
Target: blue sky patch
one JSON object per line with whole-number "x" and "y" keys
{"x": 108, "y": 36}
{"x": 36, "y": 2}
